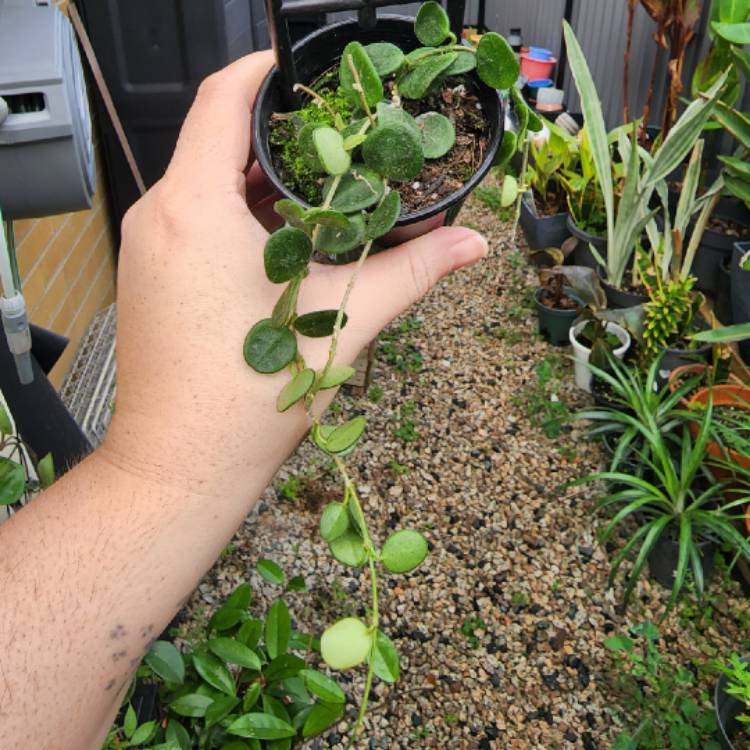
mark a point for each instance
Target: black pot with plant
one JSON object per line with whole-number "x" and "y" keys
{"x": 732, "y": 703}
{"x": 582, "y": 255}
{"x": 557, "y": 307}
{"x": 740, "y": 274}
{"x": 540, "y": 230}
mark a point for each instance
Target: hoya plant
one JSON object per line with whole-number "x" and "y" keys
{"x": 369, "y": 146}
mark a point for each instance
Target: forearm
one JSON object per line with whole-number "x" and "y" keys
{"x": 90, "y": 573}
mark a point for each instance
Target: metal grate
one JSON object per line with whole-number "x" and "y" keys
{"x": 89, "y": 388}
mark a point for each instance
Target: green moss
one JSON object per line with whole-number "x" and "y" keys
{"x": 299, "y": 178}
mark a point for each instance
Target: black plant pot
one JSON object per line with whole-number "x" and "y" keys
{"x": 741, "y": 293}
{"x": 315, "y": 54}
{"x": 542, "y": 232}
{"x": 662, "y": 561}
{"x": 617, "y": 299}
{"x": 723, "y": 302}
{"x": 555, "y": 325}
{"x": 727, "y": 709}
{"x": 674, "y": 358}
{"x": 582, "y": 255}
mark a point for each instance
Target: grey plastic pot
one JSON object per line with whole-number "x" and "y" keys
{"x": 554, "y": 325}
{"x": 542, "y": 232}
{"x": 741, "y": 293}
{"x": 582, "y": 255}
{"x": 662, "y": 560}
{"x": 618, "y": 299}
{"x": 727, "y": 709}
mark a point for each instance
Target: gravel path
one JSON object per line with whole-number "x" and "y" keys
{"x": 501, "y": 630}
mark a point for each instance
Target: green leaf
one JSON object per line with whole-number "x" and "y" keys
{"x": 46, "y": 471}
{"x": 143, "y": 734}
{"x": 736, "y": 33}
{"x": 283, "y": 667}
{"x": 497, "y": 65}
{"x": 178, "y": 735}
{"x": 335, "y": 377}
{"x": 261, "y": 727}
{"x": 307, "y": 147}
{"x": 359, "y": 188}
{"x": 432, "y": 25}
{"x": 249, "y": 632}
{"x": 730, "y": 11}
{"x": 165, "y": 660}
{"x": 274, "y": 707}
{"x": 348, "y": 549}
{"x": 335, "y": 241}
{"x": 222, "y": 706}
{"x": 323, "y": 686}
{"x": 345, "y": 436}
{"x": 330, "y": 148}
{"x": 240, "y": 597}
{"x": 386, "y": 663}
{"x": 509, "y": 193}
{"x": 225, "y": 617}
{"x": 131, "y": 721}
{"x": 214, "y": 673}
{"x": 345, "y": 644}
{"x": 268, "y": 349}
{"x": 252, "y": 694}
{"x": 278, "y": 628}
{"x": 438, "y": 134}
{"x": 297, "y": 583}
{"x": 725, "y": 335}
{"x": 394, "y": 151}
{"x": 286, "y": 254}
{"x": 318, "y": 324}
{"x": 619, "y": 643}
{"x": 354, "y": 55}
{"x": 234, "y": 652}
{"x": 286, "y": 304}
{"x": 385, "y": 216}
{"x": 352, "y": 141}
{"x": 326, "y": 217}
{"x": 321, "y": 717}
{"x": 334, "y": 521}
{"x": 404, "y": 551}
{"x": 738, "y": 188}
{"x": 290, "y": 211}
{"x": 464, "y": 62}
{"x": 386, "y": 57}
{"x": 192, "y": 704}
{"x": 388, "y": 113}
{"x": 270, "y": 572}
{"x": 507, "y": 149}
{"x": 417, "y": 82}
{"x": 6, "y": 427}
{"x": 12, "y": 481}
{"x": 521, "y": 110}
{"x": 295, "y": 389}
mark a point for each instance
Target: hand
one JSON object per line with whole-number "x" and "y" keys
{"x": 191, "y": 284}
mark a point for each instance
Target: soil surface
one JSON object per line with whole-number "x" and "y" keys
{"x": 501, "y": 631}
{"x": 563, "y": 302}
{"x": 727, "y": 227}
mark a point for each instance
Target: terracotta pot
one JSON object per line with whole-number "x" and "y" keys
{"x": 682, "y": 373}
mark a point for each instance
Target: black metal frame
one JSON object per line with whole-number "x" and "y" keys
{"x": 278, "y": 11}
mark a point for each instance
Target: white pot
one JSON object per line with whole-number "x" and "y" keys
{"x": 582, "y": 353}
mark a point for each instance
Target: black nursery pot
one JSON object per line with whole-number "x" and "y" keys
{"x": 315, "y": 54}
{"x": 617, "y": 299}
{"x": 582, "y": 255}
{"x": 741, "y": 293}
{"x": 727, "y": 709}
{"x": 542, "y": 232}
{"x": 723, "y": 303}
{"x": 554, "y": 325}
{"x": 663, "y": 558}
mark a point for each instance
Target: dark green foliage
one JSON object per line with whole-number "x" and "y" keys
{"x": 318, "y": 324}
{"x": 384, "y": 217}
{"x": 268, "y": 349}
{"x": 417, "y": 82}
{"x": 386, "y": 57}
{"x": 438, "y": 134}
{"x": 333, "y": 240}
{"x": 497, "y": 65}
{"x": 394, "y": 151}
{"x": 354, "y": 54}
{"x": 360, "y": 188}
{"x": 432, "y": 26}
{"x": 286, "y": 254}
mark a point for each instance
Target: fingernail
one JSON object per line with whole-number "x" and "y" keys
{"x": 469, "y": 248}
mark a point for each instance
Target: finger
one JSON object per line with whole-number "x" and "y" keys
{"x": 264, "y": 213}
{"x": 214, "y": 142}
{"x": 258, "y": 185}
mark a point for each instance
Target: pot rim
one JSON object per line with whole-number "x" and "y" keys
{"x": 557, "y": 311}
{"x": 260, "y": 131}
{"x": 582, "y": 234}
{"x": 723, "y": 391}
{"x": 611, "y": 327}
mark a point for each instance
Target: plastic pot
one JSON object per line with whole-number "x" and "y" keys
{"x": 618, "y": 299}
{"x": 677, "y": 358}
{"x": 741, "y": 293}
{"x": 582, "y": 255}
{"x": 582, "y": 352}
{"x": 727, "y": 709}
{"x": 320, "y": 50}
{"x": 662, "y": 560}
{"x": 554, "y": 324}
{"x": 542, "y": 231}
{"x": 723, "y": 299}
{"x": 535, "y": 69}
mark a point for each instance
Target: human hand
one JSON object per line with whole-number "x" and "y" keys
{"x": 191, "y": 283}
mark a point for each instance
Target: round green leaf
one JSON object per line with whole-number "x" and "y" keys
{"x": 386, "y": 57}
{"x": 497, "y": 65}
{"x": 335, "y": 377}
{"x": 270, "y": 572}
{"x": 384, "y": 217}
{"x": 307, "y": 147}
{"x": 334, "y": 240}
{"x": 329, "y": 146}
{"x": 46, "y": 471}
{"x": 359, "y": 188}
{"x": 348, "y": 549}
{"x": 290, "y": 211}
{"x": 321, "y": 717}
{"x": 403, "y": 551}
{"x": 234, "y": 652}
{"x": 345, "y": 436}
{"x": 261, "y": 727}
{"x": 438, "y": 134}
{"x": 165, "y": 660}
{"x": 509, "y": 192}
{"x": 192, "y": 704}
{"x": 507, "y": 149}
{"x": 12, "y": 481}
{"x": 326, "y": 217}
{"x": 387, "y": 112}
{"x": 295, "y": 389}
{"x": 416, "y": 55}
{"x": 287, "y": 252}
{"x": 323, "y": 686}
{"x": 464, "y": 62}
{"x": 372, "y": 87}
{"x": 278, "y": 629}
{"x": 334, "y": 521}
{"x": 386, "y": 663}
{"x": 394, "y": 151}
{"x": 417, "y": 82}
{"x": 345, "y": 644}
{"x": 432, "y": 25}
{"x": 268, "y": 349}
{"x": 318, "y": 324}
{"x": 214, "y": 673}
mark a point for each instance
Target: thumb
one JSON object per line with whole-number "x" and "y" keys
{"x": 392, "y": 281}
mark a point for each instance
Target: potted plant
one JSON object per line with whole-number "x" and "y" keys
{"x": 593, "y": 341}
{"x": 732, "y": 703}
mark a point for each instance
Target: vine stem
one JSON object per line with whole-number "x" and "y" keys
{"x": 442, "y": 51}
{"x": 359, "y": 89}
{"x": 316, "y": 97}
